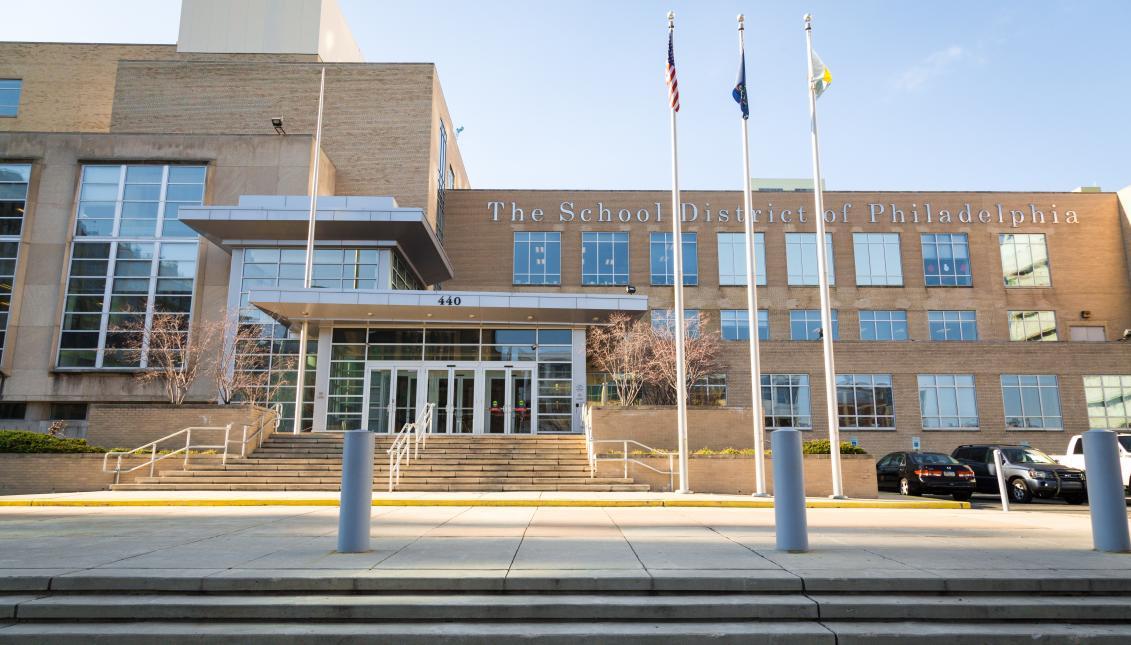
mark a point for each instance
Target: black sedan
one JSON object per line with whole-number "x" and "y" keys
{"x": 916, "y": 473}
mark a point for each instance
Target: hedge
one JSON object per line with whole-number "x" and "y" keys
{"x": 21, "y": 441}
{"x": 821, "y": 447}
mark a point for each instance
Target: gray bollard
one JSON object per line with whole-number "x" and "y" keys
{"x": 356, "y": 505}
{"x": 789, "y": 492}
{"x": 1105, "y": 492}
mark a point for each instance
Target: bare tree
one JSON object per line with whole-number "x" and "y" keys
{"x": 168, "y": 351}
{"x": 622, "y": 349}
{"x": 700, "y": 353}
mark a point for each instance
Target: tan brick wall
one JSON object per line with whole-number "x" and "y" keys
{"x": 734, "y": 475}
{"x": 131, "y": 425}
{"x": 63, "y": 473}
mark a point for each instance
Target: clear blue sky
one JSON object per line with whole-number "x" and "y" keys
{"x": 961, "y": 95}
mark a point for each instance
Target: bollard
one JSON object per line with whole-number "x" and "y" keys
{"x": 1002, "y": 487}
{"x": 356, "y": 505}
{"x": 1105, "y": 492}
{"x": 789, "y": 492}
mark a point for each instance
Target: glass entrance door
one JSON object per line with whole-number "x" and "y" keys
{"x": 390, "y": 399}
{"x": 510, "y": 400}
{"x": 452, "y": 393}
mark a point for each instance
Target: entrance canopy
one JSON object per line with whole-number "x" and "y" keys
{"x": 443, "y": 306}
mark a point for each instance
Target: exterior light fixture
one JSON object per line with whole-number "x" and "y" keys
{"x": 278, "y": 125}
{"x": 630, "y": 289}
{"x": 1085, "y": 314}
{"x": 470, "y": 315}
{"x": 530, "y": 317}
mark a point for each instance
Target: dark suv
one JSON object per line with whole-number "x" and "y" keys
{"x": 1028, "y": 473}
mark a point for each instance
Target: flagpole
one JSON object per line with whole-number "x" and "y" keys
{"x": 304, "y": 332}
{"x": 823, "y": 280}
{"x": 751, "y": 289}
{"x": 678, "y": 321}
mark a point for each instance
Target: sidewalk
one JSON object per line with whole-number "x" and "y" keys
{"x": 518, "y": 499}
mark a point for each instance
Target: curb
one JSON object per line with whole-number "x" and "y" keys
{"x": 576, "y": 503}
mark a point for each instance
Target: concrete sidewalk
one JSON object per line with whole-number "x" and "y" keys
{"x": 472, "y": 499}
{"x": 193, "y": 548}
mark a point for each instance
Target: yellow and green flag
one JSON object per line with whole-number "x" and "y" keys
{"x": 822, "y": 77}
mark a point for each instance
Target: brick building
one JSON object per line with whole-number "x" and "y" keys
{"x": 145, "y": 179}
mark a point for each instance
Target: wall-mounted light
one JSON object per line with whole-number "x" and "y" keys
{"x": 630, "y": 289}
{"x": 1085, "y": 314}
{"x": 277, "y": 123}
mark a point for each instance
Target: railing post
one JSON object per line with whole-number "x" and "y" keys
{"x": 243, "y": 443}
{"x": 624, "y": 459}
{"x": 671, "y": 473}
{"x": 152, "y": 458}
{"x": 356, "y": 503}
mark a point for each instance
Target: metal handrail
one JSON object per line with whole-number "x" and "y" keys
{"x": 154, "y": 457}
{"x": 275, "y": 413}
{"x": 595, "y": 457}
{"x": 401, "y": 450}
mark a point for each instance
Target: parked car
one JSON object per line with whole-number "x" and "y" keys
{"x": 1028, "y": 473}
{"x": 1075, "y": 455}
{"x": 915, "y": 473}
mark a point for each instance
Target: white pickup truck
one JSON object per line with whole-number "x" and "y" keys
{"x": 1075, "y": 456}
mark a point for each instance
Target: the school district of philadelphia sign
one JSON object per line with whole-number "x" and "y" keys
{"x": 871, "y": 213}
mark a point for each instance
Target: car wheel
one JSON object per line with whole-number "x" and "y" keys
{"x": 962, "y": 497}
{"x": 1019, "y": 492}
{"x": 906, "y": 488}
{"x": 1075, "y": 500}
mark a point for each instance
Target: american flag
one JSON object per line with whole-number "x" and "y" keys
{"x": 673, "y": 84}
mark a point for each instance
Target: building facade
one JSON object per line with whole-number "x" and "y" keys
{"x": 136, "y": 184}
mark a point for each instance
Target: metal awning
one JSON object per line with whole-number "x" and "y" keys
{"x": 282, "y": 219}
{"x": 443, "y": 306}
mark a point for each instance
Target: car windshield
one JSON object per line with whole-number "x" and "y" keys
{"x": 934, "y": 458}
{"x": 1125, "y": 441}
{"x": 1026, "y": 456}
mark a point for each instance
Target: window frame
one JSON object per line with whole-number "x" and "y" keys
{"x": 1042, "y": 390}
{"x": 808, "y": 314}
{"x": 736, "y": 276}
{"x": 768, "y": 386}
{"x": 864, "y": 248}
{"x": 960, "y": 279}
{"x": 665, "y": 242}
{"x": 530, "y": 242}
{"x": 662, "y": 321}
{"x": 17, "y": 89}
{"x": 936, "y": 384}
{"x": 595, "y": 240}
{"x": 944, "y": 313}
{"x": 1017, "y": 316}
{"x": 738, "y": 320}
{"x": 1011, "y": 240}
{"x": 798, "y": 248}
{"x": 891, "y": 322}
{"x": 873, "y": 387}
{"x": 1115, "y": 384}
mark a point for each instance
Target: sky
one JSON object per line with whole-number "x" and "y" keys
{"x": 959, "y": 95}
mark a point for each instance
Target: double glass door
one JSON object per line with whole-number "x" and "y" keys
{"x": 467, "y": 397}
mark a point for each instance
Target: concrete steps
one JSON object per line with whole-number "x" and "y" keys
{"x": 375, "y": 608}
{"x": 313, "y": 462}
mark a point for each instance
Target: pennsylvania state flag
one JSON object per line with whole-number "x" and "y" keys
{"x": 739, "y": 91}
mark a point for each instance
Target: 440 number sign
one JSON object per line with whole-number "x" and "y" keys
{"x": 450, "y": 301}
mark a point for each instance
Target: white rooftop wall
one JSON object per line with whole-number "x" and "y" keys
{"x": 267, "y": 27}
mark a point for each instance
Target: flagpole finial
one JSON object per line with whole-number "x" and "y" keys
{"x": 808, "y": 21}
{"x": 741, "y": 20}
{"x": 671, "y": 19}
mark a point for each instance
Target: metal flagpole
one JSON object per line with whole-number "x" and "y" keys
{"x": 752, "y": 293}
{"x": 307, "y": 276}
{"x": 823, "y": 280}
{"x": 677, "y": 261}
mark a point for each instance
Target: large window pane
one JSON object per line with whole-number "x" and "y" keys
{"x": 947, "y": 401}
{"x": 805, "y": 324}
{"x": 1024, "y": 260}
{"x": 946, "y": 260}
{"x": 1032, "y": 325}
{"x": 604, "y": 258}
{"x": 735, "y": 324}
{"x": 877, "y": 259}
{"x": 785, "y": 401}
{"x": 537, "y": 258}
{"x": 663, "y": 259}
{"x": 883, "y": 325}
{"x": 953, "y": 325}
{"x": 1109, "y": 401}
{"x": 801, "y": 258}
{"x": 732, "y": 258}
{"x": 865, "y": 401}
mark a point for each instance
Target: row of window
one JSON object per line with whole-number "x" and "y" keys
{"x": 946, "y": 259}
{"x": 14, "y": 180}
{"x": 946, "y": 401}
{"x": 882, "y": 325}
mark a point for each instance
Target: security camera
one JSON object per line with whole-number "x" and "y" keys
{"x": 630, "y": 289}
{"x": 1126, "y": 334}
{"x": 277, "y": 123}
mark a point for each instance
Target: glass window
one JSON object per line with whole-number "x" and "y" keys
{"x": 805, "y": 324}
{"x": 1109, "y": 401}
{"x": 801, "y": 258}
{"x": 127, "y": 262}
{"x": 1024, "y": 260}
{"x": 947, "y": 401}
{"x": 403, "y": 277}
{"x": 732, "y": 259}
{"x": 708, "y": 390}
{"x": 735, "y": 324}
{"x": 877, "y": 259}
{"x": 883, "y": 325}
{"x": 663, "y": 260}
{"x": 662, "y": 321}
{"x": 537, "y": 258}
{"x": 13, "y": 201}
{"x": 10, "y": 96}
{"x": 1032, "y": 325}
{"x": 953, "y": 325}
{"x": 441, "y": 177}
{"x": 604, "y": 258}
{"x": 785, "y": 401}
{"x": 946, "y": 260}
{"x": 1032, "y": 401}
{"x": 865, "y": 401}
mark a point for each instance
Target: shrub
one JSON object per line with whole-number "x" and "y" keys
{"x": 19, "y": 441}
{"x": 821, "y": 447}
